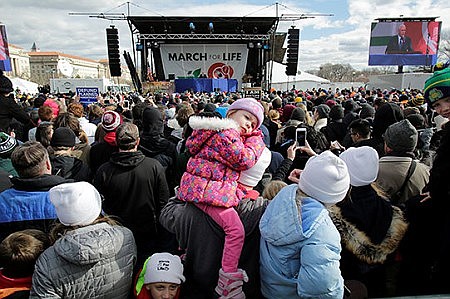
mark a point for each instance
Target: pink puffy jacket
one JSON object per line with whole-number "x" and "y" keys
{"x": 219, "y": 154}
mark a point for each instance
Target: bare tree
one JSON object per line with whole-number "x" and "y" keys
{"x": 337, "y": 72}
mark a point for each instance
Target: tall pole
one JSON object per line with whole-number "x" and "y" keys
{"x": 276, "y": 9}
{"x": 272, "y": 49}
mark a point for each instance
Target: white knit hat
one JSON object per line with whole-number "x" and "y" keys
{"x": 362, "y": 164}
{"x": 76, "y": 203}
{"x": 252, "y": 176}
{"x": 325, "y": 178}
{"x": 164, "y": 267}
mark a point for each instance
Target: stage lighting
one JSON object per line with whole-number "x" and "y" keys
{"x": 211, "y": 27}
{"x": 258, "y": 45}
{"x": 251, "y": 45}
{"x": 192, "y": 27}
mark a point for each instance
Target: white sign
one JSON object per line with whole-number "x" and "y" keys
{"x": 217, "y": 61}
{"x": 87, "y": 94}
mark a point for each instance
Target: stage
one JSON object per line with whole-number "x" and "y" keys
{"x": 206, "y": 85}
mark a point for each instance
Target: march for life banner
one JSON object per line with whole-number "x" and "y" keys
{"x": 217, "y": 61}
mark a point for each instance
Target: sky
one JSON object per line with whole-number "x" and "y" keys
{"x": 342, "y": 37}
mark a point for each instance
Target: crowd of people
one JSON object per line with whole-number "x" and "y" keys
{"x": 209, "y": 195}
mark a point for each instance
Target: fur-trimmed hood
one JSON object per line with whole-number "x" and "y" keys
{"x": 206, "y": 127}
{"x": 358, "y": 243}
{"x": 212, "y": 123}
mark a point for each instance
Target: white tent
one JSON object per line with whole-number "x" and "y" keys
{"x": 25, "y": 86}
{"x": 302, "y": 80}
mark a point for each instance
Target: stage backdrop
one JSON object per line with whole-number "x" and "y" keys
{"x": 217, "y": 61}
{"x": 424, "y": 41}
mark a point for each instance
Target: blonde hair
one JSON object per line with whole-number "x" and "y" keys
{"x": 272, "y": 189}
{"x": 76, "y": 109}
{"x": 274, "y": 115}
{"x": 308, "y": 119}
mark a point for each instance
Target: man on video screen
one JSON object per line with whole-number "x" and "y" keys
{"x": 400, "y": 43}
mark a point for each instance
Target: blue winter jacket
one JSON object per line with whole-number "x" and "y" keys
{"x": 27, "y": 204}
{"x": 299, "y": 256}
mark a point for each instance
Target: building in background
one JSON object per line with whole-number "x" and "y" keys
{"x": 44, "y": 65}
{"x": 20, "y": 62}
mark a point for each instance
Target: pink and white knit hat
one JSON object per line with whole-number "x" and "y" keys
{"x": 250, "y": 105}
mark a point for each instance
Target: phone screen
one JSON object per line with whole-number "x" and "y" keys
{"x": 301, "y": 137}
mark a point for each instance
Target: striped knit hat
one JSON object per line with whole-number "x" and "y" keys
{"x": 7, "y": 145}
{"x": 437, "y": 86}
{"x": 111, "y": 120}
{"x": 417, "y": 101}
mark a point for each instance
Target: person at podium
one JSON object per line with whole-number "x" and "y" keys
{"x": 400, "y": 43}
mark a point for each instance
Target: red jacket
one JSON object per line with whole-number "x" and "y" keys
{"x": 9, "y": 286}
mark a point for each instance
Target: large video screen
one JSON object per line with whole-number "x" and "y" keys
{"x": 404, "y": 43}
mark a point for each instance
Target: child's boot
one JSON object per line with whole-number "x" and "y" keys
{"x": 230, "y": 284}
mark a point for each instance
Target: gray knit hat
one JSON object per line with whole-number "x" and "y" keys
{"x": 323, "y": 110}
{"x": 401, "y": 136}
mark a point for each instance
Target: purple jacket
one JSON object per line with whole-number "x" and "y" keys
{"x": 219, "y": 154}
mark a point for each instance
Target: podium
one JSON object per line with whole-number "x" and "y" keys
{"x": 402, "y": 59}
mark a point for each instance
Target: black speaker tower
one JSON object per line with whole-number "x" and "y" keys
{"x": 292, "y": 51}
{"x": 112, "y": 39}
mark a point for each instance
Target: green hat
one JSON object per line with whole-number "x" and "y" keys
{"x": 437, "y": 86}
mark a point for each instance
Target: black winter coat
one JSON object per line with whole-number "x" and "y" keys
{"x": 100, "y": 153}
{"x": 9, "y": 109}
{"x": 371, "y": 230}
{"x": 70, "y": 168}
{"x": 203, "y": 240}
{"x": 335, "y": 131}
{"x": 135, "y": 190}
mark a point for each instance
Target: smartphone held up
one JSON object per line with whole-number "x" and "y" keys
{"x": 300, "y": 136}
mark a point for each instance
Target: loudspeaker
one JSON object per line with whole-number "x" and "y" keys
{"x": 112, "y": 39}
{"x": 292, "y": 51}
